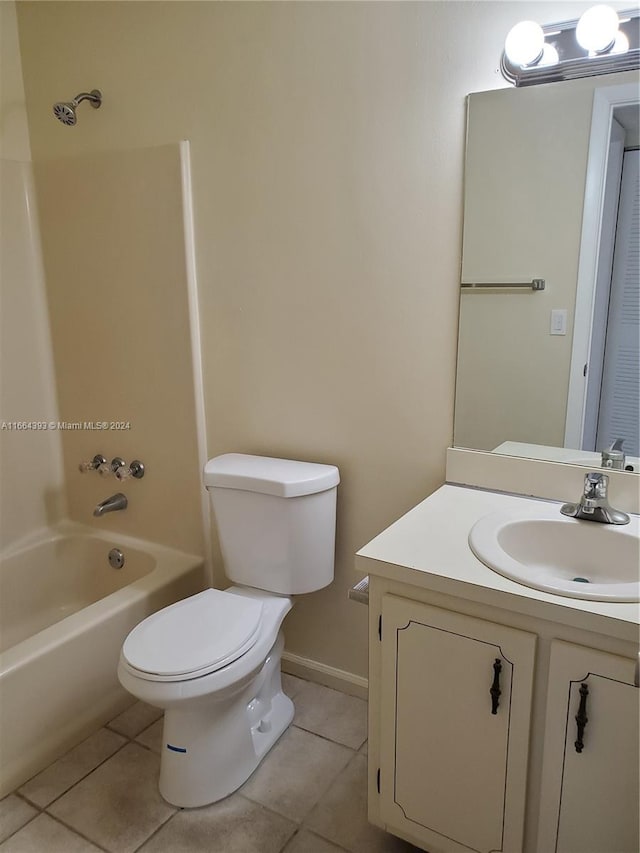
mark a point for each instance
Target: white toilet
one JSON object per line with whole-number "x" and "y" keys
{"x": 212, "y": 661}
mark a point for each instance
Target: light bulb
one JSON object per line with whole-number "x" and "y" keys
{"x": 549, "y": 55}
{"x": 524, "y": 43}
{"x": 621, "y": 44}
{"x": 597, "y": 28}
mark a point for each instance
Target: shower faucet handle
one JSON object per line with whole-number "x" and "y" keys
{"x": 93, "y": 465}
{"x": 135, "y": 469}
{"x": 108, "y": 468}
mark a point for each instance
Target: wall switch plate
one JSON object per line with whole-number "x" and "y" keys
{"x": 558, "y": 325}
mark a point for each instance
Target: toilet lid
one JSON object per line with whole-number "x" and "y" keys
{"x": 195, "y": 636}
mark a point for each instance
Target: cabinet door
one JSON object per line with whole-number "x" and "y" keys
{"x": 589, "y": 800}
{"x": 453, "y": 756}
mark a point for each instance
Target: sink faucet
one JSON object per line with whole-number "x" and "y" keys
{"x": 115, "y": 502}
{"x": 613, "y": 457}
{"x": 594, "y": 504}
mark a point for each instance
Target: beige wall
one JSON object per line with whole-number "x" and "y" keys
{"x": 114, "y": 255}
{"x": 328, "y": 143}
{"x": 31, "y": 484}
{"x": 524, "y": 196}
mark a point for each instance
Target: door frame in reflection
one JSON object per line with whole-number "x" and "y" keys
{"x": 605, "y": 102}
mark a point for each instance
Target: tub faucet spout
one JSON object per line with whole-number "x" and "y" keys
{"x": 115, "y": 502}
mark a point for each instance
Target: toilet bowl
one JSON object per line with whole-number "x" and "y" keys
{"x": 212, "y": 661}
{"x": 223, "y": 700}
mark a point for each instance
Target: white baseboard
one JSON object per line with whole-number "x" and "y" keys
{"x": 321, "y": 673}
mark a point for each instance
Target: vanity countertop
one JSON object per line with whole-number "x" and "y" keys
{"x": 428, "y": 548}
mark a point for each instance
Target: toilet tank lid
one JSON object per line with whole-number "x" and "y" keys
{"x": 282, "y": 477}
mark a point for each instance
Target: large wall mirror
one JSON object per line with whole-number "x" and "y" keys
{"x": 551, "y": 193}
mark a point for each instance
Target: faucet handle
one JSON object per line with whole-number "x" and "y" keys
{"x": 596, "y": 485}
{"x": 135, "y": 469}
{"x": 93, "y": 464}
{"x": 108, "y": 468}
{"x": 613, "y": 457}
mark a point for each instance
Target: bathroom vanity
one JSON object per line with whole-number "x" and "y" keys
{"x": 501, "y": 717}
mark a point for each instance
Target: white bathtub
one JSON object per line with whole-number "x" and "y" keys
{"x": 64, "y": 613}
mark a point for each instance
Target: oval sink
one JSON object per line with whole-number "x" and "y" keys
{"x": 564, "y": 556}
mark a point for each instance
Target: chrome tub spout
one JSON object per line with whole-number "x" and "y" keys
{"x": 112, "y": 504}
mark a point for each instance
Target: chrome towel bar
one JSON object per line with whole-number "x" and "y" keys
{"x": 534, "y": 284}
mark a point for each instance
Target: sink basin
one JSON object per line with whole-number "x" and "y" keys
{"x": 565, "y": 556}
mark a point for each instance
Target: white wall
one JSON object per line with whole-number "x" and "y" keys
{"x": 327, "y": 153}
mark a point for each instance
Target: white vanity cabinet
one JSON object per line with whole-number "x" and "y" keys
{"x": 447, "y": 774}
{"x": 590, "y": 765}
{"x": 454, "y": 727}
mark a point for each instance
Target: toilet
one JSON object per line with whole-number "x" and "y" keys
{"x": 212, "y": 661}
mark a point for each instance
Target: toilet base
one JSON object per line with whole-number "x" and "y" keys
{"x": 210, "y": 750}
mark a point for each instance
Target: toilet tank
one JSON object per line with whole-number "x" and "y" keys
{"x": 276, "y": 520}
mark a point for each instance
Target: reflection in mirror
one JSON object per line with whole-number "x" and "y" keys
{"x": 554, "y": 373}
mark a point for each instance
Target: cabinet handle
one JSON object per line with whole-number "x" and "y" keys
{"x": 495, "y": 687}
{"x": 581, "y": 717}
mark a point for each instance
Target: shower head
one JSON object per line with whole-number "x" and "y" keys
{"x": 65, "y": 111}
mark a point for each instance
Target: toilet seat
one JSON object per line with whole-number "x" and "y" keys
{"x": 194, "y": 637}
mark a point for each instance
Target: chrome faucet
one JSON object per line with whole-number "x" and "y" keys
{"x": 112, "y": 504}
{"x": 594, "y": 503}
{"x": 613, "y": 457}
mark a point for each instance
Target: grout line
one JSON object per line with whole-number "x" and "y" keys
{"x": 35, "y": 805}
{"x": 77, "y": 782}
{"x": 315, "y": 835}
{"x": 326, "y": 737}
{"x": 158, "y": 828}
{"x": 26, "y": 823}
{"x": 308, "y": 815}
{"x": 269, "y": 809}
{"x": 128, "y": 739}
{"x": 315, "y": 802}
{"x": 76, "y": 832}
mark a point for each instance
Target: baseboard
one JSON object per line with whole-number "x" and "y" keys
{"x": 321, "y": 673}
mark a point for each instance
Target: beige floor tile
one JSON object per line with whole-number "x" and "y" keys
{"x": 118, "y": 805}
{"x": 291, "y": 684}
{"x": 152, "y": 737}
{"x": 62, "y": 774}
{"x": 341, "y": 815}
{"x": 296, "y": 773}
{"x": 14, "y": 813}
{"x": 337, "y": 716}
{"x": 46, "y": 834}
{"x": 135, "y": 719}
{"x": 308, "y": 842}
{"x": 234, "y": 825}
{"x": 364, "y": 749}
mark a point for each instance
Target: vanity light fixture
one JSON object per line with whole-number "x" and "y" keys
{"x": 600, "y": 42}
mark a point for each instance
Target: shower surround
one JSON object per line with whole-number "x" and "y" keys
{"x": 97, "y": 329}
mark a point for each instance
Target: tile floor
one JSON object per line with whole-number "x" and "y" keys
{"x": 308, "y": 796}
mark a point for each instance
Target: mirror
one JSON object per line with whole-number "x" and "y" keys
{"x": 542, "y": 373}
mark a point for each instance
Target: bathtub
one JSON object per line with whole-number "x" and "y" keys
{"x": 64, "y": 613}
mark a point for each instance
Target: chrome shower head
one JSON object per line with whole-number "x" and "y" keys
{"x": 65, "y": 111}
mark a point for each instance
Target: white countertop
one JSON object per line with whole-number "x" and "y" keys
{"x": 586, "y": 458}
{"x": 428, "y": 548}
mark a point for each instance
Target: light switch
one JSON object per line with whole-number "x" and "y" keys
{"x": 558, "y": 325}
